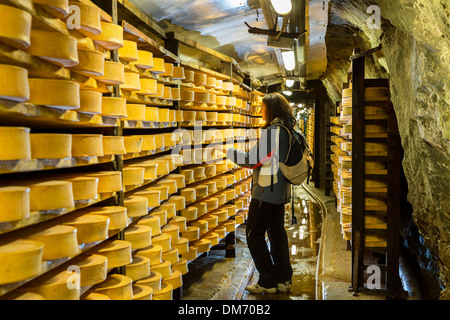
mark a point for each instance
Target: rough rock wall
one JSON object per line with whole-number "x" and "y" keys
{"x": 415, "y": 36}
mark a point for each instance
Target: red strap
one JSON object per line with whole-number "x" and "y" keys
{"x": 263, "y": 161}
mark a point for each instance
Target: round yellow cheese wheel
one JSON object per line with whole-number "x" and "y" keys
{"x": 54, "y": 285}
{"x": 191, "y": 254}
{"x": 219, "y": 84}
{"x": 212, "y": 98}
{"x": 163, "y": 240}
{"x": 116, "y": 287}
{"x": 51, "y": 145}
{"x": 179, "y": 178}
{"x": 180, "y": 266}
{"x": 55, "y": 47}
{"x": 153, "y": 252}
{"x": 118, "y": 252}
{"x": 136, "y": 206}
{"x": 171, "y": 183}
{"x": 153, "y": 196}
{"x": 239, "y": 218}
{"x": 175, "y": 93}
{"x": 186, "y": 95}
{"x": 210, "y": 82}
{"x": 90, "y": 227}
{"x": 108, "y": 181}
{"x": 145, "y": 59}
{"x": 114, "y": 73}
{"x": 228, "y": 86}
{"x": 51, "y": 195}
{"x": 199, "y": 172}
{"x": 221, "y": 231}
{"x": 148, "y": 143}
{"x": 172, "y": 230}
{"x": 139, "y": 268}
{"x": 168, "y": 70}
{"x": 158, "y": 66}
{"x": 129, "y": 51}
{"x": 221, "y": 215}
{"x": 90, "y": 102}
{"x": 201, "y": 97}
{"x": 15, "y": 143}
{"x": 178, "y": 73}
{"x": 117, "y": 215}
{"x": 16, "y": 203}
{"x": 111, "y": 36}
{"x": 131, "y": 82}
{"x": 189, "y": 115}
{"x": 149, "y": 170}
{"x": 210, "y": 170}
{"x": 135, "y": 112}
{"x": 230, "y": 225}
{"x": 188, "y": 174}
{"x": 201, "y": 224}
{"x": 89, "y": 19}
{"x": 171, "y": 256}
{"x": 161, "y": 214}
{"x": 179, "y": 221}
{"x": 190, "y": 213}
{"x": 141, "y": 292}
{"x": 60, "y": 241}
{"x": 93, "y": 268}
{"x": 201, "y": 191}
{"x": 175, "y": 280}
{"x": 133, "y": 144}
{"x": 231, "y": 101}
{"x": 188, "y": 194}
{"x": 182, "y": 245}
{"x": 191, "y": 233}
{"x": 90, "y": 63}
{"x": 221, "y": 100}
{"x": 189, "y": 75}
{"x": 14, "y": 83}
{"x": 113, "y": 145}
{"x": 213, "y": 237}
{"x": 133, "y": 176}
{"x": 203, "y": 245}
{"x": 179, "y": 116}
{"x": 21, "y": 260}
{"x": 212, "y": 116}
{"x": 153, "y": 281}
{"x": 163, "y": 190}
{"x": 159, "y": 140}
{"x": 148, "y": 87}
{"x": 87, "y": 145}
{"x": 63, "y": 94}
{"x": 140, "y": 236}
{"x": 166, "y": 292}
{"x": 163, "y": 114}
{"x": 201, "y": 208}
{"x": 220, "y": 183}
{"x": 200, "y": 78}
{"x": 178, "y": 201}
{"x": 153, "y": 222}
{"x": 15, "y": 27}
{"x": 163, "y": 268}
{"x": 169, "y": 139}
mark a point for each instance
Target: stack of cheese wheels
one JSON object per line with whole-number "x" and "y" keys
{"x": 111, "y": 36}
{"x": 118, "y": 217}
{"x": 145, "y": 59}
{"x": 90, "y": 228}
{"x": 15, "y": 27}
{"x": 158, "y": 66}
{"x": 113, "y": 145}
{"x": 90, "y": 102}
{"x": 51, "y": 145}
{"x": 14, "y": 83}
{"x": 55, "y": 47}
{"x": 129, "y": 51}
{"x": 108, "y": 181}
{"x": 55, "y": 93}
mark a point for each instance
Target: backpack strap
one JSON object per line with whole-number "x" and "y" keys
{"x": 278, "y": 123}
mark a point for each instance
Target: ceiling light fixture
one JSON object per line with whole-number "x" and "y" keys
{"x": 288, "y": 60}
{"x": 282, "y": 7}
{"x": 287, "y": 93}
{"x": 289, "y": 83}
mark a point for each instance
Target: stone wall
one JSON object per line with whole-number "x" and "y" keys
{"x": 415, "y": 36}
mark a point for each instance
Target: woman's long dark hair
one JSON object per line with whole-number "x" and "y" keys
{"x": 278, "y": 107}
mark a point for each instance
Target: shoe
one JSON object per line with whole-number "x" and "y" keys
{"x": 284, "y": 287}
{"x": 256, "y": 288}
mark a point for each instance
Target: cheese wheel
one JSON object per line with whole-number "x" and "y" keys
{"x": 231, "y": 208}
{"x": 212, "y": 116}
{"x": 172, "y": 114}
{"x": 108, "y": 181}
{"x": 55, "y": 93}
{"x": 51, "y": 145}
{"x": 212, "y": 98}
{"x": 15, "y": 27}
{"x": 178, "y": 73}
{"x": 153, "y": 253}
{"x": 200, "y": 78}
{"x": 188, "y": 174}
{"x": 158, "y": 66}
{"x": 168, "y": 70}
{"x": 117, "y": 215}
{"x": 180, "y": 266}
{"x": 191, "y": 233}
{"x": 166, "y": 292}
{"x": 118, "y": 252}
{"x": 148, "y": 87}
{"x": 145, "y": 59}
{"x": 179, "y": 116}
{"x": 133, "y": 144}
{"x": 210, "y": 82}
{"x": 175, "y": 280}
{"x": 113, "y": 145}
{"x": 189, "y": 115}
{"x": 169, "y": 139}
{"x": 153, "y": 196}
{"x": 14, "y": 143}
{"x": 14, "y": 83}
{"x": 148, "y": 143}
{"x": 140, "y": 236}
{"x": 90, "y": 227}
{"x": 153, "y": 281}
{"x": 221, "y": 183}
{"x": 179, "y": 221}
{"x": 90, "y": 23}
{"x": 136, "y": 206}
{"x": 190, "y": 213}
{"x": 199, "y": 173}
{"x": 141, "y": 292}
{"x": 90, "y": 63}
{"x": 163, "y": 268}
{"x": 188, "y": 194}
{"x": 179, "y": 178}
{"x": 230, "y": 225}
{"x": 55, "y": 47}
{"x": 239, "y": 218}
{"x": 131, "y": 82}
{"x": 221, "y": 100}
{"x": 171, "y": 183}
{"x": 60, "y": 241}
{"x": 182, "y": 245}
{"x": 116, "y": 287}
{"x": 16, "y": 203}
{"x": 129, "y": 51}
{"x": 161, "y": 214}
{"x": 153, "y": 222}
{"x": 210, "y": 171}
{"x": 219, "y": 84}
{"x": 221, "y": 215}
{"x": 228, "y": 86}
{"x": 55, "y": 285}
{"x": 203, "y": 245}
{"x": 151, "y": 114}
{"x": 213, "y": 237}
{"x": 220, "y": 231}
{"x": 171, "y": 256}
{"x": 159, "y": 140}
{"x": 113, "y": 73}
{"x": 51, "y": 195}
{"x": 87, "y": 145}
{"x": 201, "y": 97}
{"x": 139, "y": 268}
{"x": 163, "y": 114}
{"x": 176, "y": 93}
{"x": 201, "y": 208}
{"x": 133, "y": 176}
{"x": 189, "y": 75}
{"x": 163, "y": 190}
{"x": 172, "y": 230}
{"x": 163, "y": 240}
{"x": 93, "y": 268}
{"x": 111, "y": 36}
{"x": 201, "y": 224}
{"x": 178, "y": 201}
{"x": 191, "y": 254}
{"x": 90, "y": 102}
{"x": 186, "y": 95}
{"x": 212, "y": 220}
{"x": 201, "y": 191}
{"x": 150, "y": 172}
{"x": 231, "y": 101}
{"x": 21, "y": 260}
{"x": 170, "y": 207}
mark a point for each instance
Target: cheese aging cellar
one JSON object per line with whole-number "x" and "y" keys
{"x": 138, "y": 160}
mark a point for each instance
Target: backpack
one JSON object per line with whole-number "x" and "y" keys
{"x": 299, "y": 163}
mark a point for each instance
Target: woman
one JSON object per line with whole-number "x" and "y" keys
{"x": 270, "y": 192}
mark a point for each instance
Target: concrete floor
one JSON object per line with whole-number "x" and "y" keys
{"x": 319, "y": 257}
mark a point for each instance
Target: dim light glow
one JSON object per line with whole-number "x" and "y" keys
{"x": 282, "y": 6}
{"x": 289, "y": 83}
{"x": 287, "y": 93}
{"x": 288, "y": 60}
